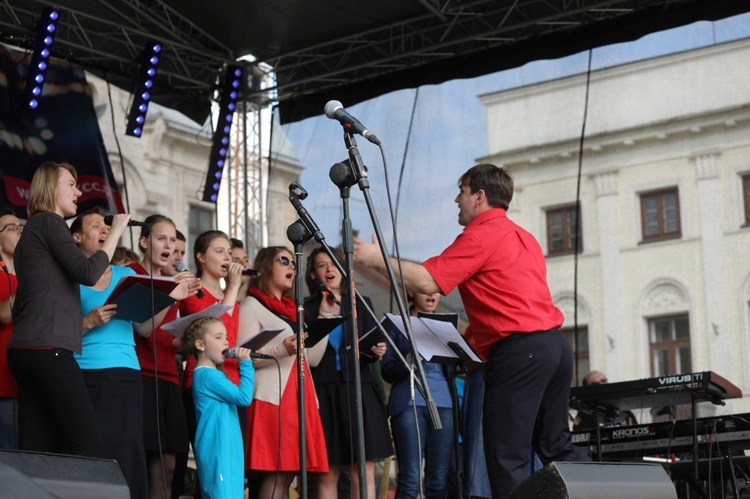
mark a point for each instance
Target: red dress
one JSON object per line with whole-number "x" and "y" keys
{"x": 261, "y": 452}
{"x": 165, "y": 367}
{"x": 267, "y": 448}
{"x": 8, "y": 385}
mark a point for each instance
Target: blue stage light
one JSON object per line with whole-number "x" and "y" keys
{"x": 232, "y": 81}
{"x": 143, "y": 92}
{"x": 39, "y": 62}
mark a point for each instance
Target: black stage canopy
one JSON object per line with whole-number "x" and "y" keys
{"x": 349, "y": 50}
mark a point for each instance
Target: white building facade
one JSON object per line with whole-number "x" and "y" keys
{"x": 663, "y": 268}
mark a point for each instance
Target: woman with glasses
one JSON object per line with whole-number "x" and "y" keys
{"x": 273, "y": 423}
{"x": 10, "y": 232}
{"x": 55, "y": 410}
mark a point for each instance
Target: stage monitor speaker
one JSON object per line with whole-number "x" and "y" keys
{"x": 559, "y": 480}
{"x": 68, "y": 477}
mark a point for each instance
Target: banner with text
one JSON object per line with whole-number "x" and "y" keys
{"x": 62, "y": 129}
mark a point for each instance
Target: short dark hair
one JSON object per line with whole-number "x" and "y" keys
{"x": 7, "y": 210}
{"x": 77, "y": 225}
{"x": 236, "y": 243}
{"x": 180, "y": 236}
{"x": 496, "y": 183}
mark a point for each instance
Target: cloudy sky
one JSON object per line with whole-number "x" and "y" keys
{"x": 448, "y": 134}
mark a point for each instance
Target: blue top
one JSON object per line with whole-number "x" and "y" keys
{"x": 219, "y": 453}
{"x": 334, "y": 339}
{"x": 112, "y": 344}
{"x": 397, "y": 374}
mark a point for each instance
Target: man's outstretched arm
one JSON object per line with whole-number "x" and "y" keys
{"x": 415, "y": 276}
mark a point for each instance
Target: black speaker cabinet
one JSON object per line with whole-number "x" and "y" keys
{"x": 64, "y": 477}
{"x": 597, "y": 480}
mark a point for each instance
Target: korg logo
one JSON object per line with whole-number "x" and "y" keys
{"x": 581, "y": 438}
{"x": 631, "y": 432}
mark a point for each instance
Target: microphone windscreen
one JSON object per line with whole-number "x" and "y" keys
{"x": 320, "y": 284}
{"x": 331, "y": 108}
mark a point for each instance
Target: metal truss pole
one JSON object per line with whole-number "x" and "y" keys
{"x": 247, "y": 211}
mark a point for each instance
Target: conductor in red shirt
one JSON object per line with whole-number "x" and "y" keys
{"x": 500, "y": 272}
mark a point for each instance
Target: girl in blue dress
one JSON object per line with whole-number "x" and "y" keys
{"x": 219, "y": 453}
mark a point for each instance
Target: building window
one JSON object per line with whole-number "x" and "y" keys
{"x": 561, "y": 229}
{"x": 670, "y": 345}
{"x": 199, "y": 221}
{"x": 581, "y": 364}
{"x": 660, "y": 215}
{"x": 746, "y": 196}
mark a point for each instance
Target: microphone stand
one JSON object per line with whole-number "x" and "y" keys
{"x": 360, "y": 177}
{"x": 296, "y": 192}
{"x": 348, "y": 247}
{"x": 299, "y": 235}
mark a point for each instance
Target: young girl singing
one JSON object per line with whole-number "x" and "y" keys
{"x": 219, "y": 452}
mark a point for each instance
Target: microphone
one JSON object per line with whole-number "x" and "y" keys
{"x": 231, "y": 353}
{"x": 180, "y": 266}
{"x": 341, "y": 175}
{"x": 297, "y": 233}
{"x": 335, "y": 110}
{"x": 251, "y": 272}
{"x": 326, "y": 292}
{"x": 132, "y": 223}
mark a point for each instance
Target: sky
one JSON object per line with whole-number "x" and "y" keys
{"x": 448, "y": 135}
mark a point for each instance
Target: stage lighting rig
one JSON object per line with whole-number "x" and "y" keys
{"x": 230, "y": 93}
{"x": 45, "y": 35}
{"x": 142, "y": 96}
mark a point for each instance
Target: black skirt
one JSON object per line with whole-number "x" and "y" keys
{"x": 164, "y": 407}
{"x": 337, "y": 413}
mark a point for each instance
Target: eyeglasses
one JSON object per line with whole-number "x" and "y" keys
{"x": 12, "y": 227}
{"x": 285, "y": 261}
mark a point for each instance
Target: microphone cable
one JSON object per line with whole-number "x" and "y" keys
{"x": 119, "y": 154}
{"x": 577, "y": 228}
{"x": 397, "y": 253}
{"x": 156, "y": 364}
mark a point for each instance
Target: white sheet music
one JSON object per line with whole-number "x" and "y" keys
{"x": 432, "y": 338}
{"x": 178, "y": 326}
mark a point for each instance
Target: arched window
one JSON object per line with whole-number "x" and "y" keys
{"x": 665, "y": 308}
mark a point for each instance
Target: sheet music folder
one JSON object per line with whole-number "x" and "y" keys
{"x": 132, "y": 295}
{"x": 319, "y": 329}
{"x": 370, "y": 339}
{"x": 259, "y": 340}
{"x": 437, "y": 340}
{"x": 178, "y": 326}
